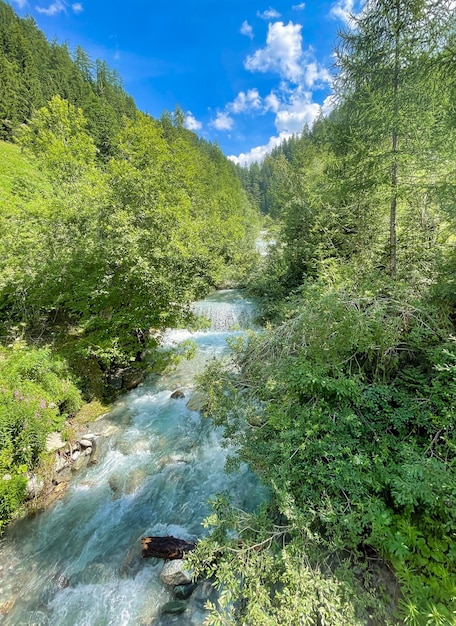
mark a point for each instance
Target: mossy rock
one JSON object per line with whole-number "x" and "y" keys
{"x": 176, "y": 607}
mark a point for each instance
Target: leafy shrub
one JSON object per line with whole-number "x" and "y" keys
{"x": 36, "y": 395}
{"x": 347, "y": 410}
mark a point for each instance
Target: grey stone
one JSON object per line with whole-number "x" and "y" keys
{"x": 35, "y": 486}
{"x": 79, "y": 463}
{"x": 132, "y": 378}
{"x": 197, "y": 401}
{"x": 178, "y": 394}
{"x": 174, "y": 573}
{"x": 175, "y": 607}
{"x": 183, "y": 592}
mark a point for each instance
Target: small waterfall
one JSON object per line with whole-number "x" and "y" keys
{"x": 226, "y": 310}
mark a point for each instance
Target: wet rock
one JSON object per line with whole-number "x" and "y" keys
{"x": 174, "y": 620}
{"x": 197, "y": 401}
{"x": 63, "y": 476}
{"x": 204, "y": 592}
{"x": 171, "y": 459}
{"x": 183, "y": 592}
{"x": 134, "y": 480}
{"x": 115, "y": 484}
{"x": 95, "y": 453}
{"x": 175, "y": 607}
{"x": 79, "y": 463}
{"x": 174, "y": 573}
{"x": 57, "y": 493}
{"x": 178, "y": 394}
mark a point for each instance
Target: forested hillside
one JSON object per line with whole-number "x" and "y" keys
{"x": 111, "y": 224}
{"x": 345, "y": 405}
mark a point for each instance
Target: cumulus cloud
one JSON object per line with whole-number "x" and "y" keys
{"x": 223, "y": 121}
{"x": 343, "y": 10}
{"x": 272, "y": 102}
{"x": 297, "y": 111}
{"x": 60, "y": 6}
{"x": 246, "y": 29}
{"x": 299, "y": 7}
{"x": 269, "y": 14}
{"x": 191, "y": 122}
{"x": 246, "y": 101}
{"x": 257, "y": 154}
{"x": 282, "y": 54}
{"x": 315, "y": 74}
{"x": 53, "y": 9}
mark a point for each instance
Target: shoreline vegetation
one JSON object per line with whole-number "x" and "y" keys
{"x": 344, "y": 403}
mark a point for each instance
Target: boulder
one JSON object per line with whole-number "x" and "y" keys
{"x": 79, "y": 463}
{"x": 197, "y": 401}
{"x": 176, "y": 607}
{"x": 85, "y": 443}
{"x": 183, "y": 592}
{"x": 132, "y": 378}
{"x": 178, "y": 394}
{"x": 35, "y": 486}
{"x": 174, "y": 573}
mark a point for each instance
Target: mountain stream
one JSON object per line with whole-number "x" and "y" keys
{"x": 79, "y": 562}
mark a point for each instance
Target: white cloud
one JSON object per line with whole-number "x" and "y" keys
{"x": 245, "y": 101}
{"x": 269, "y": 14}
{"x": 53, "y": 9}
{"x": 191, "y": 122}
{"x": 246, "y": 29}
{"x": 298, "y": 111}
{"x": 60, "y": 6}
{"x": 21, "y": 3}
{"x": 343, "y": 10}
{"x": 282, "y": 54}
{"x": 299, "y": 7}
{"x": 257, "y": 154}
{"x": 272, "y": 102}
{"x": 223, "y": 121}
{"x": 315, "y": 74}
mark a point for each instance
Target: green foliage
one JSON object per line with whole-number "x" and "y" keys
{"x": 36, "y": 395}
{"x": 347, "y": 411}
{"x": 33, "y": 71}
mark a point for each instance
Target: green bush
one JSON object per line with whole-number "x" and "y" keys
{"x": 36, "y": 395}
{"x": 347, "y": 411}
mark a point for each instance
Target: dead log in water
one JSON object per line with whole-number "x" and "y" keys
{"x": 167, "y": 548}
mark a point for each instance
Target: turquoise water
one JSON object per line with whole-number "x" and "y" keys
{"x": 79, "y": 562}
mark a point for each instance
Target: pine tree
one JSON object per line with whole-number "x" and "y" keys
{"x": 382, "y": 60}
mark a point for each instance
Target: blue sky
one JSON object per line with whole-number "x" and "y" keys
{"x": 247, "y": 73}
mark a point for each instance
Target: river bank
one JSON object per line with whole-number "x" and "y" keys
{"x": 160, "y": 462}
